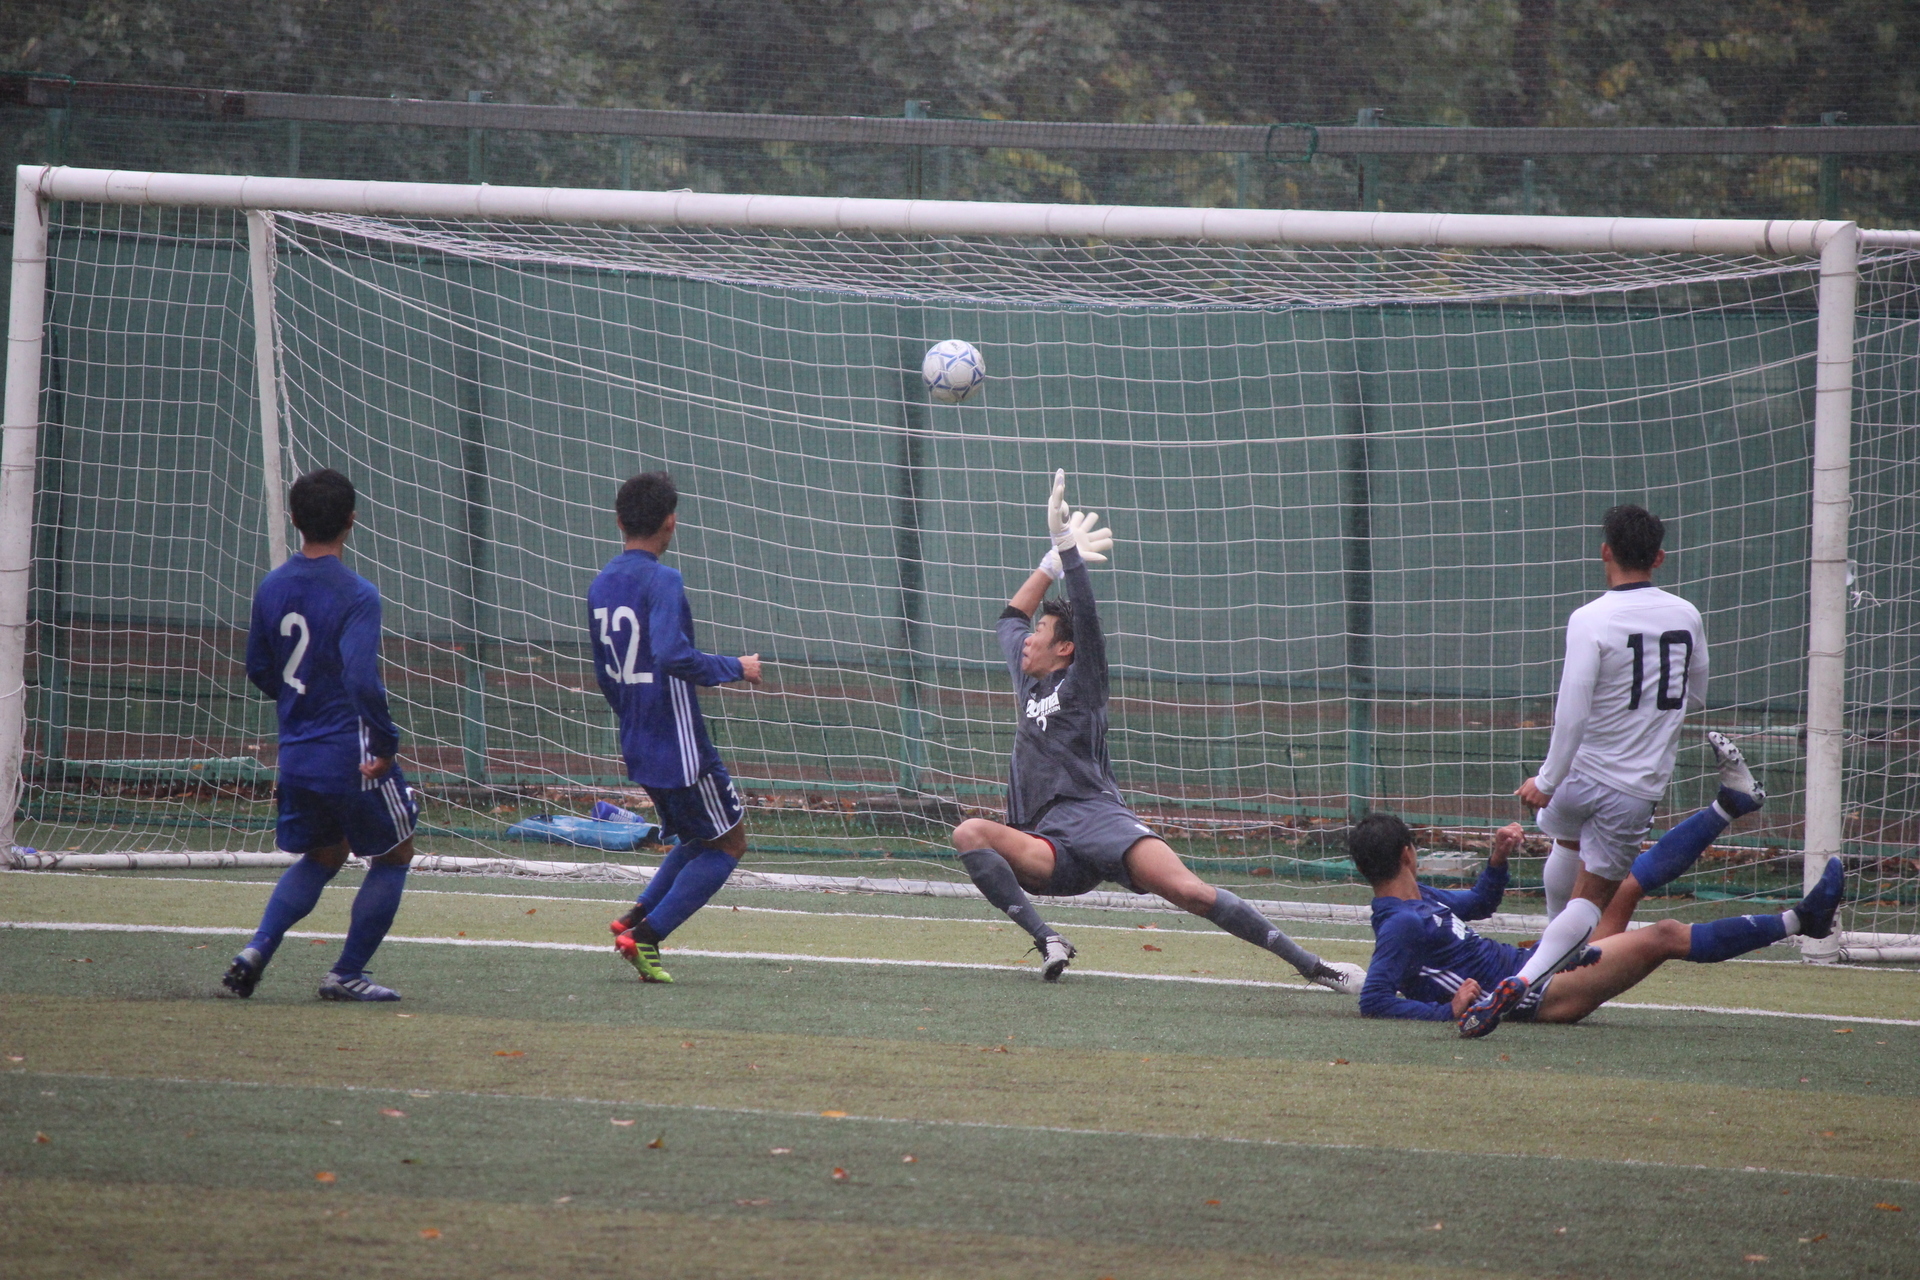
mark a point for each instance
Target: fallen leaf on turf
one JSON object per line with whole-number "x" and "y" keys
{"x": 403, "y": 1015}
{"x": 41, "y": 1137}
{"x": 835, "y": 1115}
{"x": 321, "y": 942}
{"x": 624, "y": 1124}
{"x": 781, "y": 1151}
{"x": 753, "y": 1204}
{"x": 753, "y": 1066}
{"x": 563, "y": 1199}
{"x": 343, "y": 1048}
{"x": 1813, "y": 1239}
{"x": 1803, "y": 1080}
{"x": 393, "y": 1113}
{"x": 15, "y": 1057}
{"x": 80, "y": 960}
{"x": 686, "y": 1044}
{"x": 1826, "y": 1133}
{"x": 841, "y": 1175}
{"x": 736, "y": 908}
{"x": 994, "y": 1048}
{"x": 430, "y": 1233}
{"x": 323, "y": 1177}
{"x": 1505, "y": 1058}
{"x": 531, "y": 910}
{"x": 1213, "y": 1202}
{"x": 1438, "y": 1226}
{"x": 461, "y": 934}
{"x": 1754, "y": 1257}
{"x": 202, "y": 947}
{"x": 1339, "y": 1062}
{"x": 419, "y": 1093}
{"x": 659, "y": 1143}
{"x": 1890, "y": 1208}
{"x": 509, "y": 1053}
{"x": 1843, "y": 1031}
{"x": 909, "y": 1159}
{"x": 1148, "y": 946}
{"x": 1559, "y": 1231}
{"x": 408, "y": 1160}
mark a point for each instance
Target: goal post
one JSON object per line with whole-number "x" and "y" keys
{"x": 1188, "y": 271}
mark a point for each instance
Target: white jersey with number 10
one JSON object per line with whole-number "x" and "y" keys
{"x": 1636, "y": 664}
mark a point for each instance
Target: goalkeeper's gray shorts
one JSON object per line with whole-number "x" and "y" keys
{"x": 1090, "y": 839}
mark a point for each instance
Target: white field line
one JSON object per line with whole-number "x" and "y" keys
{"x": 878, "y": 915}
{"x": 56, "y": 926}
{"x": 915, "y": 1122}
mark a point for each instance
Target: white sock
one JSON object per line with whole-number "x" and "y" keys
{"x": 1562, "y": 869}
{"x": 1791, "y": 919}
{"x": 1565, "y": 938}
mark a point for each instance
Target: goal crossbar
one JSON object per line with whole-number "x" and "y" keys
{"x": 1836, "y": 246}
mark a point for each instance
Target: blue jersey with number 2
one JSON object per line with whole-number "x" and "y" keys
{"x": 314, "y": 647}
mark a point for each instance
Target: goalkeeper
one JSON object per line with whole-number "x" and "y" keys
{"x": 1067, "y": 829}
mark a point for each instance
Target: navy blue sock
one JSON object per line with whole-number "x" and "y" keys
{"x": 1677, "y": 850}
{"x": 699, "y": 880}
{"x": 373, "y": 910}
{"x": 292, "y": 900}
{"x": 1734, "y": 936}
{"x": 663, "y": 877}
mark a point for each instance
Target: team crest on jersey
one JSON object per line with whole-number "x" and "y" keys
{"x": 1038, "y": 709}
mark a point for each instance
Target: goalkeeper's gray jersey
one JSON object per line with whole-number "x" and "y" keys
{"x": 1060, "y": 741}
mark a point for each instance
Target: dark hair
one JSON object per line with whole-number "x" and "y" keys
{"x": 1375, "y": 844}
{"x": 1635, "y": 534}
{"x": 645, "y": 502}
{"x": 1061, "y": 611}
{"x": 321, "y": 503}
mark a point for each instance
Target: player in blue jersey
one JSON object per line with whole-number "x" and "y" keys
{"x": 1428, "y": 965}
{"x": 643, "y": 653}
{"x": 314, "y": 647}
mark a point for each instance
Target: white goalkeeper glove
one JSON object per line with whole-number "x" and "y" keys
{"x": 1057, "y": 507}
{"x": 1078, "y": 531}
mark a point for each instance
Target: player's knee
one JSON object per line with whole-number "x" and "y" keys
{"x": 973, "y": 833}
{"x": 1675, "y": 937}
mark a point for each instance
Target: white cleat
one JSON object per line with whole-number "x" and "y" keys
{"x": 1340, "y": 976}
{"x": 1056, "y": 953}
{"x": 1741, "y": 793}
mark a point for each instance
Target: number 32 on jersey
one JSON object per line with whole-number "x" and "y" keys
{"x": 610, "y": 622}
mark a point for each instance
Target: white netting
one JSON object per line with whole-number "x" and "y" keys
{"x": 1357, "y": 495}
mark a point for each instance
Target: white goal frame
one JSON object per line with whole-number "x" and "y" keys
{"x": 1836, "y": 245}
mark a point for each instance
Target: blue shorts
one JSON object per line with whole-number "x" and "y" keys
{"x": 373, "y": 821}
{"x": 700, "y": 813}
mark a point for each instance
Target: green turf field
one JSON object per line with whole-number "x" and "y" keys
{"x": 852, "y": 1085}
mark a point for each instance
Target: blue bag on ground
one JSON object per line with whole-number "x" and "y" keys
{"x": 587, "y": 833}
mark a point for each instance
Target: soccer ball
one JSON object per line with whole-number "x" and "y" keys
{"x": 1352, "y": 977}
{"x": 953, "y": 371}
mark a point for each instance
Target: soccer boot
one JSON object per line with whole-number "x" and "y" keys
{"x": 1740, "y": 792}
{"x": 643, "y": 956}
{"x": 1056, "y": 953}
{"x": 358, "y": 987}
{"x": 1484, "y": 1014}
{"x": 1817, "y": 909}
{"x": 243, "y": 975}
{"x": 1347, "y": 979}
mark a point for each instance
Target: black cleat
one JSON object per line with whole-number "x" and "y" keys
{"x": 1056, "y": 953}
{"x": 243, "y": 975}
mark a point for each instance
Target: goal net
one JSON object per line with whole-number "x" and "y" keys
{"x": 1356, "y": 491}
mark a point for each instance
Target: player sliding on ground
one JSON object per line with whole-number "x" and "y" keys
{"x": 1427, "y": 964}
{"x": 1636, "y": 661}
{"x": 643, "y": 653}
{"x": 314, "y": 647}
{"x": 1067, "y": 828}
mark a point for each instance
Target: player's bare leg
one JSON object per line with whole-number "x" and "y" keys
{"x": 1005, "y": 864}
{"x": 1154, "y": 867}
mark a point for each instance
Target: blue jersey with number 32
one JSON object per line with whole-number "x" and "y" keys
{"x": 644, "y": 656}
{"x": 314, "y": 647}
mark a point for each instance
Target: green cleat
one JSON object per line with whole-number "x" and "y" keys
{"x": 643, "y": 956}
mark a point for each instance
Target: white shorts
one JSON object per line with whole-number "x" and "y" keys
{"x": 1608, "y": 824}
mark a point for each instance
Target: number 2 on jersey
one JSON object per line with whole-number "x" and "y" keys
{"x": 610, "y": 622}
{"x": 1669, "y": 640}
{"x": 288, "y": 625}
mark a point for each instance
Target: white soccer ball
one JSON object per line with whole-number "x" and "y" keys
{"x": 1352, "y": 978}
{"x": 953, "y": 371}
